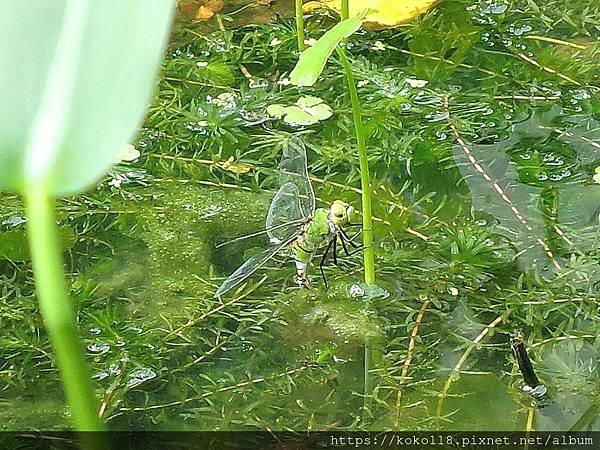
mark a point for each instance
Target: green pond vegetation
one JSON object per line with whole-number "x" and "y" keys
{"x": 482, "y": 127}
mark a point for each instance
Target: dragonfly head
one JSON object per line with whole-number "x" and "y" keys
{"x": 341, "y": 213}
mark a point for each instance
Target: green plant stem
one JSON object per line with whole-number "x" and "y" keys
{"x": 368, "y": 254}
{"x": 345, "y": 9}
{"x": 300, "y": 25}
{"x": 57, "y": 311}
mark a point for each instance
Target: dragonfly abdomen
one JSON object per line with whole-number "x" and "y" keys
{"x": 315, "y": 235}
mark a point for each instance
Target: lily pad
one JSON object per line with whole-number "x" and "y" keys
{"x": 307, "y": 111}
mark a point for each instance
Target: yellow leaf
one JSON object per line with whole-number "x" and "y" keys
{"x": 382, "y": 13}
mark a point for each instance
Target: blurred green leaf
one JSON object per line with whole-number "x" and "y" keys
{"x": 76, "y": 78}
{"x": 312, "y": 60}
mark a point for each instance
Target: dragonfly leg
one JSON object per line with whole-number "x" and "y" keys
{"x": 344, "y": 246}
{"x": 335, "y": 250}
{"x": 348, "y": 239}
{"x": 323, "y": 261}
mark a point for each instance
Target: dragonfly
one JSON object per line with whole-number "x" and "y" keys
{"x": 294, "y": 223}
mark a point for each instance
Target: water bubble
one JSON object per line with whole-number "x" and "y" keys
{"x": 199, "y": 127}
{"x": 136, "y": 329}
{"x": 519, "y": 31}
{"x": 414, "y": 83}
{"x": 225, "y": 100}
{"x": 99, "y": 348}
{"x": 581, "y": 94}
{"x": 537, "y": 391}
{"x": 100, "y": 376}
{"x": 202, "y": 64}
{"x": 356, "y": 291}
{"x": 140, "y": 376}
{"x": 494, "y": 8}
{"x": 256, "y": 83}
{"x": 565, "y": 173}
{"x": 426, "y": 99}
{"x": 95, "y": 330}
{"x": 210, "y": 211}
{"x": 114, "y": 369}
{"x": 251, "y": 118}
{"x": 543, "y": 176}
{"x": 368, "y": 291}
{"x": 14, "y": 221}
{"x": 437, "y": 116}
{"x": 441, "y": 136}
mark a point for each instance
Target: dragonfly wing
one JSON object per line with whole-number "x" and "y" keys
{"x": 285, "y": 217}
{"x": 249, "y": 267}
{"x": 293, "y": 169}
{"x": 294, "y": 202}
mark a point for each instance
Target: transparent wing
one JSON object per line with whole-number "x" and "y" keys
{"x": 258, "y": 233}
{"x": 285, "y": 216}
{"x": 295, "y": 199}
{"x": 249, "y": 267}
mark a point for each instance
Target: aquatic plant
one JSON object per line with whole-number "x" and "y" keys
{"x": 141, "y": 258}
{"x": 63, "y": 126}
{"x": 310, "y": 65}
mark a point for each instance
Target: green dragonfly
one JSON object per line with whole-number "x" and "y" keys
{"x": 295, "y": 224}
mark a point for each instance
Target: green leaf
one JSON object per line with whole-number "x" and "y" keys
{"x": 276, "y": 110}
{"x": 308, "y": 110}
{"x": 312, "y": 60}
{"x": 297, "y": 116}
{"x": 76, "y": 78}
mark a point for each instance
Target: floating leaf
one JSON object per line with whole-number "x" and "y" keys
{"x": 381, "y": 13}
{"x": 308, "y": 110}
{"x": 312, "y": 60}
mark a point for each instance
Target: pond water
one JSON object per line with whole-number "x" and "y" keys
{"x": 483, "y": 135}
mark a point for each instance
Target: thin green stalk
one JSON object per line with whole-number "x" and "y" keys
{"x": 300, "y": 25}
{"x": 345, "y": 9}
{"x": 365, "y": 180}
{"x": 57, "y": 311}
{"x": 368, "y": 254}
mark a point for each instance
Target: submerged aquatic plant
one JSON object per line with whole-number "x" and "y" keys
{"x": 64, "y": 123}
{"x": 144, "y": 270}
